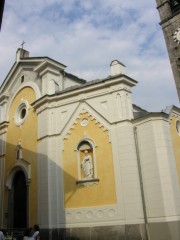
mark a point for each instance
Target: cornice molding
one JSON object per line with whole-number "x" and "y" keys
{"x": 151, "y": 117}
{"x": 21, "y": 164}
{"x": 107, "y": 86}
{"x": 4, "y": 98}
{"x": 49, "y": 66}
{"x": 90, "y": 118}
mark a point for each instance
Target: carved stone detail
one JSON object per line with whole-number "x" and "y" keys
{"x": 89, "y": 117}
{"x": 92, "y": 214}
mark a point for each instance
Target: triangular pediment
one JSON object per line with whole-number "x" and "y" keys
{"x": 36, "y": 65}
{"x": 84, "y": 108}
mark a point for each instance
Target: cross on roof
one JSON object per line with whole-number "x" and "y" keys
{"x": 22, "y": 44}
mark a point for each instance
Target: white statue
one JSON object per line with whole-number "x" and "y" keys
{"x": 87, "y": 165}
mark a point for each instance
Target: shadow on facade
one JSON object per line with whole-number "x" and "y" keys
{"x": 31, "y": 187}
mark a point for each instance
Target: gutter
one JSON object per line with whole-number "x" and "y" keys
{"x": 141, "y": 184}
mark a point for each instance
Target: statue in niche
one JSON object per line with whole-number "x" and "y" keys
{"x": 18, "y": 152}
{"x": 87, "y": 165}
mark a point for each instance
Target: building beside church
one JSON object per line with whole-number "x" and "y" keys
{"x": 169, "y": 11}
{"x": 81, "y": 160}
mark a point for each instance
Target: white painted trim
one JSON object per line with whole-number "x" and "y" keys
{"x": 23, "y": 85}
{"x": 95, "y": 224}
{"x": 164, "y": 219}
{"x": 7, "y": 81}
{"x": 17, "y": 117}
{"x": 82, "y": 108}
{"x": 147, "y": 118}
{"x": 19, "y": 165}
{"x": 93, "y": 160}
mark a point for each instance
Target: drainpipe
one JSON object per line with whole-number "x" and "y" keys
{"x": 141, "y": 184}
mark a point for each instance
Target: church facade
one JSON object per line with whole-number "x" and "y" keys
{"x": 81, "y": 160}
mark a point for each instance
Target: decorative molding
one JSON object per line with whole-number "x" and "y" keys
{"x": 92, "y": 214}
{"x": 42, "y": 108}
{"x": 20, "y": 164}
{"x": 20, "y": 116}
{"x": 84, "y": 122}
{"x": 3, "y": 127}
{"x": 49, "y": 65}
{"x": 164, "y": 219}
{"x": 24, "y": 85}
{"x": 174, "y": 114}
{"x": 90, "y": 117}
{"x": 4, "y": 98}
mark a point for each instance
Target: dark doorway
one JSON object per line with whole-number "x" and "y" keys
{"x": 19, "y": 200}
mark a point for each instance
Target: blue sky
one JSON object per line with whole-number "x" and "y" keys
{"x": 86, "y": 35}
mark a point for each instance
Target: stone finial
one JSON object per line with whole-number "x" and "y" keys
{"x": 21, "y": 53}
{"x": 117, "y": 68}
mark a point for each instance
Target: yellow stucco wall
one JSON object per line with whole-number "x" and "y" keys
{"x": 27, "y": 135}
{"x": 102, "y": 193}
{"x": 176, "y": 143}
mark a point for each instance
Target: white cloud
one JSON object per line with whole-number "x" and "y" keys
{"x": 86, "y": 35}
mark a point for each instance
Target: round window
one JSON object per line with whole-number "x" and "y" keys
{"x": 178, "y": 126}
{"x": 21, "y": 113}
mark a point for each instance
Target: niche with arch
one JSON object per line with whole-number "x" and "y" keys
{"x": 87, "y": 172}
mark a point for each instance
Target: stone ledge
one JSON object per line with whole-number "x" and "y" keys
{"x": 91, "y": 180}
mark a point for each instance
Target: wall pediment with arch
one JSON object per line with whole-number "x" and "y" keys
{"x": 7, "y": 100}
{"x": 19, "y": 76}
{"x": 22, "y": 165}
{"x": 84, "y": 115}
{"x": 22, "y": 77}
{"x": 87, "y": 159}
{"x": 57, "y": 120}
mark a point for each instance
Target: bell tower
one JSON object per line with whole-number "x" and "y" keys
{"x": 169, "y": 11}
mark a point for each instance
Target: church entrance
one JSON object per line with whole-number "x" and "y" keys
{"x": 18, "y": 209}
